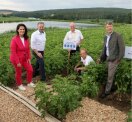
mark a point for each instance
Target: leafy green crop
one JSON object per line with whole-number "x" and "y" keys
{"x": 66, "y": 93}
{"x": 123, "y": 77}
{"x": 62, "y": 98}
{"x": 129, "y": 116}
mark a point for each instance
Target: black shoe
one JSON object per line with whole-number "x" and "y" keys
{"x": 103, "y": 95}
{"x": 113, "y": 89}
{"x": 35, "y": 74}
{"x": 43, "y": 80}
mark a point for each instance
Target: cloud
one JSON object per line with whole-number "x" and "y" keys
{"x": 12, "y": 5}
{"x": 31, "y": 5}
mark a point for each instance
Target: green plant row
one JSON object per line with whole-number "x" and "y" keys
{"x": 67, "y": 92}
{"x": 65, "y": 95}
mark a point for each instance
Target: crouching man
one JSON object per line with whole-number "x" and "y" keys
{"x": 85, "y": 61}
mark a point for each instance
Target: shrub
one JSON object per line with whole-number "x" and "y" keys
{"x": 88, "y": 87}
{"x": 63, "y": 98}
{"x": 129, "y": 116}
{"x": 6, "y": 71}
{"x": 123, "y": 77}
{"x": 98, "y": 72}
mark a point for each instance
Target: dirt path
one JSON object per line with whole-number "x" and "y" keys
{"x": 93, "y": 111}
{"x": 12, "y": 110}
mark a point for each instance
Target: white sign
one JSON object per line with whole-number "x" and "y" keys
{"x": 69, "y": 45}
{"x": 128, "y": 52}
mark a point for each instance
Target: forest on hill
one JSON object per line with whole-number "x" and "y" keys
{"x": 118, "y": 15}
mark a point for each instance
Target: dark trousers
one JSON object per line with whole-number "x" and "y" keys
{"x": 74, "y": 51}
{"x": 40, "y": 65}
{"x": 73, "y": 58}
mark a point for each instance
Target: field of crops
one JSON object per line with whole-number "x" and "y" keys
{"x": 56, "y": 61}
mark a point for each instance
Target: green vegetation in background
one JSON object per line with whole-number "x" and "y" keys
{"x": 119, "y": 15}
{"x": 15, "y": 19}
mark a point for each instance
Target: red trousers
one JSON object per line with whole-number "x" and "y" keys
{"x": 29, "y": 70}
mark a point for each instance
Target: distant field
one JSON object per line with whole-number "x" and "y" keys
{"x": 5, "y": 13}
{"x": 15, "y": 19}
{"x": 19, "y": 19}
{"x": 87, "y": 21}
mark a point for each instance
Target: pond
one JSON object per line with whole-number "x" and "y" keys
{"x": 4, "y": 27}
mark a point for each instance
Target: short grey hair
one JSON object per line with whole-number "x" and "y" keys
{"x": 72, "y": 24}
{"x": 40, "y": 23}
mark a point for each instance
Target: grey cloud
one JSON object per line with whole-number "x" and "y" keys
{"x": 31, "y": 5}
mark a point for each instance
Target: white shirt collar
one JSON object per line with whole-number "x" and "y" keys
{"x": 74, "y": 31}
{"x": 85, "y": 58}
{"x": 39, "y": 32}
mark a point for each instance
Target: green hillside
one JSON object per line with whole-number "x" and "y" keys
{"x": 116, "y": 14}
{"x": 119, "y": 15}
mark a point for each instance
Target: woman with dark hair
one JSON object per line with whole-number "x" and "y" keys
{"x": 20, "y": 56}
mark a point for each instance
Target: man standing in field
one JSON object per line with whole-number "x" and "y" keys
{"x": 74, "y": 35}
{"x": 38, "y": 41}
{"x": 113, "y": 52}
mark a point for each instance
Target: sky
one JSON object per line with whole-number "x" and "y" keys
{"x": 33, "y": 5}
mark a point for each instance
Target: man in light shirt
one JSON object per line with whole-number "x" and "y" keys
{"x": 38, "y": 41}
{"x": 74, "y": 35}
{"x": 85, "y": 59}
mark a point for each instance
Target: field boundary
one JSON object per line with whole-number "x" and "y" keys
{"x": 29, "y": 104}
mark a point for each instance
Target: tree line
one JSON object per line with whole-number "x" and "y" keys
{"x": 118, "y": 15}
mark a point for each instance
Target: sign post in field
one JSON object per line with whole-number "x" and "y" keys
{"x": 128, "y": 52}
{"x": 69, "y": 45}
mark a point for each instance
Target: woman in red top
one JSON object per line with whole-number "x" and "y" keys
{"x": 20, "y": 56}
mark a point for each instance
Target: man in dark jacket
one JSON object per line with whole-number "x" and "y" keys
{"x": 113, "y": 52}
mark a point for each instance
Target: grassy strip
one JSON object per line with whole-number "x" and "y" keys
{"x": 15, "y": 19}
